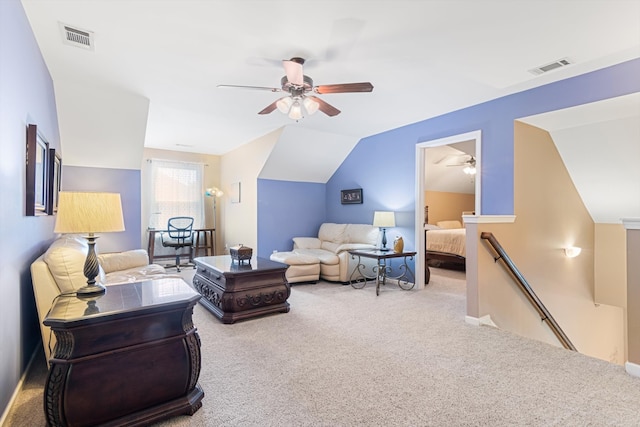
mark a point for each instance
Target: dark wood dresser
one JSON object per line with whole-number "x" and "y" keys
{"x": 235, "y": 290}
{"x": 128, "y": 357}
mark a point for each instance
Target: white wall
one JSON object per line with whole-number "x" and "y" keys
{"x": 243, "y": 166}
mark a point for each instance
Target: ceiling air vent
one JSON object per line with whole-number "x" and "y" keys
{"x": 552, "y": 66}
{"x": 76, "y": 37}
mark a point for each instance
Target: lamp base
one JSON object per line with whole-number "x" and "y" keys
{"x": 384, "y": 249}
{"x": 91, "y": 290}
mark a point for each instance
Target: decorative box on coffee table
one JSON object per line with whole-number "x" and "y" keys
{"x": 234, "y": 290}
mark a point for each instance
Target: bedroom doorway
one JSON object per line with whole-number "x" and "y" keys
{"x": 455, "y": 153}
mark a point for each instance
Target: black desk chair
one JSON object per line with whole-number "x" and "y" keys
{"x": 179, "y": 235}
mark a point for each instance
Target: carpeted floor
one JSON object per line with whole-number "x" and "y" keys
{"x": 344, "y": 357}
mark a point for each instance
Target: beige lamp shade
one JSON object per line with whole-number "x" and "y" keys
{"x": 384, "y": 219}
{"x": 80, "y": 212}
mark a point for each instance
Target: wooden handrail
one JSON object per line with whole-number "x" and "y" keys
{"x": 528, "y": 291}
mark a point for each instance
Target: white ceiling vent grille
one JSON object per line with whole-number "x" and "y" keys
{"x": 551, "y": 66}
{"x": 74, "y": 36}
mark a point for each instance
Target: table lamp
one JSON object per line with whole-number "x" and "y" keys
{"x": 384, "y": 219}
{"x": 89, "y": 213}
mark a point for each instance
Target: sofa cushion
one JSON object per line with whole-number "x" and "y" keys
{"x": 361, "y": 233}
{"x": 65, "y": 259}
{"x": 294, "y": 258}
{"x": 331, "y": 232}
{"x": 306, "y": 242}
{"x": 135, "y": 274}
{"x": 117, "y": 261}
{"x": 324, "y": 256}
{"x": 331, "y": 246}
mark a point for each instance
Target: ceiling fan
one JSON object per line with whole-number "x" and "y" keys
{"x": 298, "y": 86}
{"x": 469, "y": 165}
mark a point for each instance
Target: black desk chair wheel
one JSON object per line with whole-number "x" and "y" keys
{"x": 179, "y": 235}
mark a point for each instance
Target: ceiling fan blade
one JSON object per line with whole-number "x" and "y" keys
{"x": 293, "y": 70}
{"x": 270, "y": 89}
{"x": 269, "y": 108}
{"x": 328, "y": 109}
{"x": 344, "y": 88}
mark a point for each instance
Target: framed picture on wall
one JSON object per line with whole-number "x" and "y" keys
{"x": 235, "y": 192}
{"x": 351, "y": 197}
{"x": 37, "y": 169}
{"x": 55, "y": 179}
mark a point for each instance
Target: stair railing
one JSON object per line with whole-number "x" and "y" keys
{"x": 526, "y": 289}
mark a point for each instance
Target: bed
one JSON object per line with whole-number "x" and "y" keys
{"x": 445, "y": 243}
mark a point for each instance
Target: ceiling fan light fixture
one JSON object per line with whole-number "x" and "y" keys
{"x": 295, "y": 113}
{"x": 284, "y": 104}
{"x": 469, "y": 170}
{"x": 310, "y": 105}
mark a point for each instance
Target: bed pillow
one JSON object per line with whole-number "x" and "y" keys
{"x": 449, "y": 224}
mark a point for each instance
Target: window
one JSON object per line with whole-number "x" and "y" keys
{"x": 176, "y": 190}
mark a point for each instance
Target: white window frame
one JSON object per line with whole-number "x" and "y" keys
{"x": 175, "y": 189}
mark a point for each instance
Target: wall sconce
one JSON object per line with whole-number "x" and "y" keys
{"x": 572, "y": 251}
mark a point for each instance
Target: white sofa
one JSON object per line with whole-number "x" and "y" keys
{"x": 60, "y": 270}
{"x": 332, "y": 246}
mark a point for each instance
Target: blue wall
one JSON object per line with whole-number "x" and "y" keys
{"x": 383, "y": 165}
{"x": 26, "y": 96}
{"x": 124, "y": 181}
{"x": 286, "y": 210}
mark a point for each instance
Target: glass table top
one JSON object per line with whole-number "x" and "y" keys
{"x": 122, "y": 298}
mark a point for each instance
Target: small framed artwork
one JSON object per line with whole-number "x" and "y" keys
{"x": 235, "y": 192}
{"x": 351, "y": 197}
{"x": 55, "y": 180}
{"x": 37, "y": 178}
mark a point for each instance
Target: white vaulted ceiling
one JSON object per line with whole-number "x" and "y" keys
{"x": 600, "y": 146}
{"x": 424, "y": 58}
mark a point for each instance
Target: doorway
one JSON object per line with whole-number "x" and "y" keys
{"x": 467, "y": 139}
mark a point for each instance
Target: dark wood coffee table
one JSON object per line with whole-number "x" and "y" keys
{"x": 233, "y": 290}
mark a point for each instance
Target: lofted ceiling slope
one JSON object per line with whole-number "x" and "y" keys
{"x": 424, "y": 58}
{"x": 600, "y": 146}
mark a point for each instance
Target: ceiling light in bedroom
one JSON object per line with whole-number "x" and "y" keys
{"x": 469, "y": 170}
{"x": 572, "y": 251}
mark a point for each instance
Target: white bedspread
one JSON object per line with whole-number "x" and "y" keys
{"x": 452, "y": 241}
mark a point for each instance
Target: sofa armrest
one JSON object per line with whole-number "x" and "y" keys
{"x": 306, "y": 243}
{"x": 118, "y": 261}
{"x": 45, "y": 290}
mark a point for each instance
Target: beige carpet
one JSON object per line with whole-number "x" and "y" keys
{"x": 344, "y": 357}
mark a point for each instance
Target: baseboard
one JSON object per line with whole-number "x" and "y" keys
{"x": 482, "y": 321}
{"x": 18, "y": 388}
{"x": 472, "y": 320}
{"x": 633, "y": 369}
